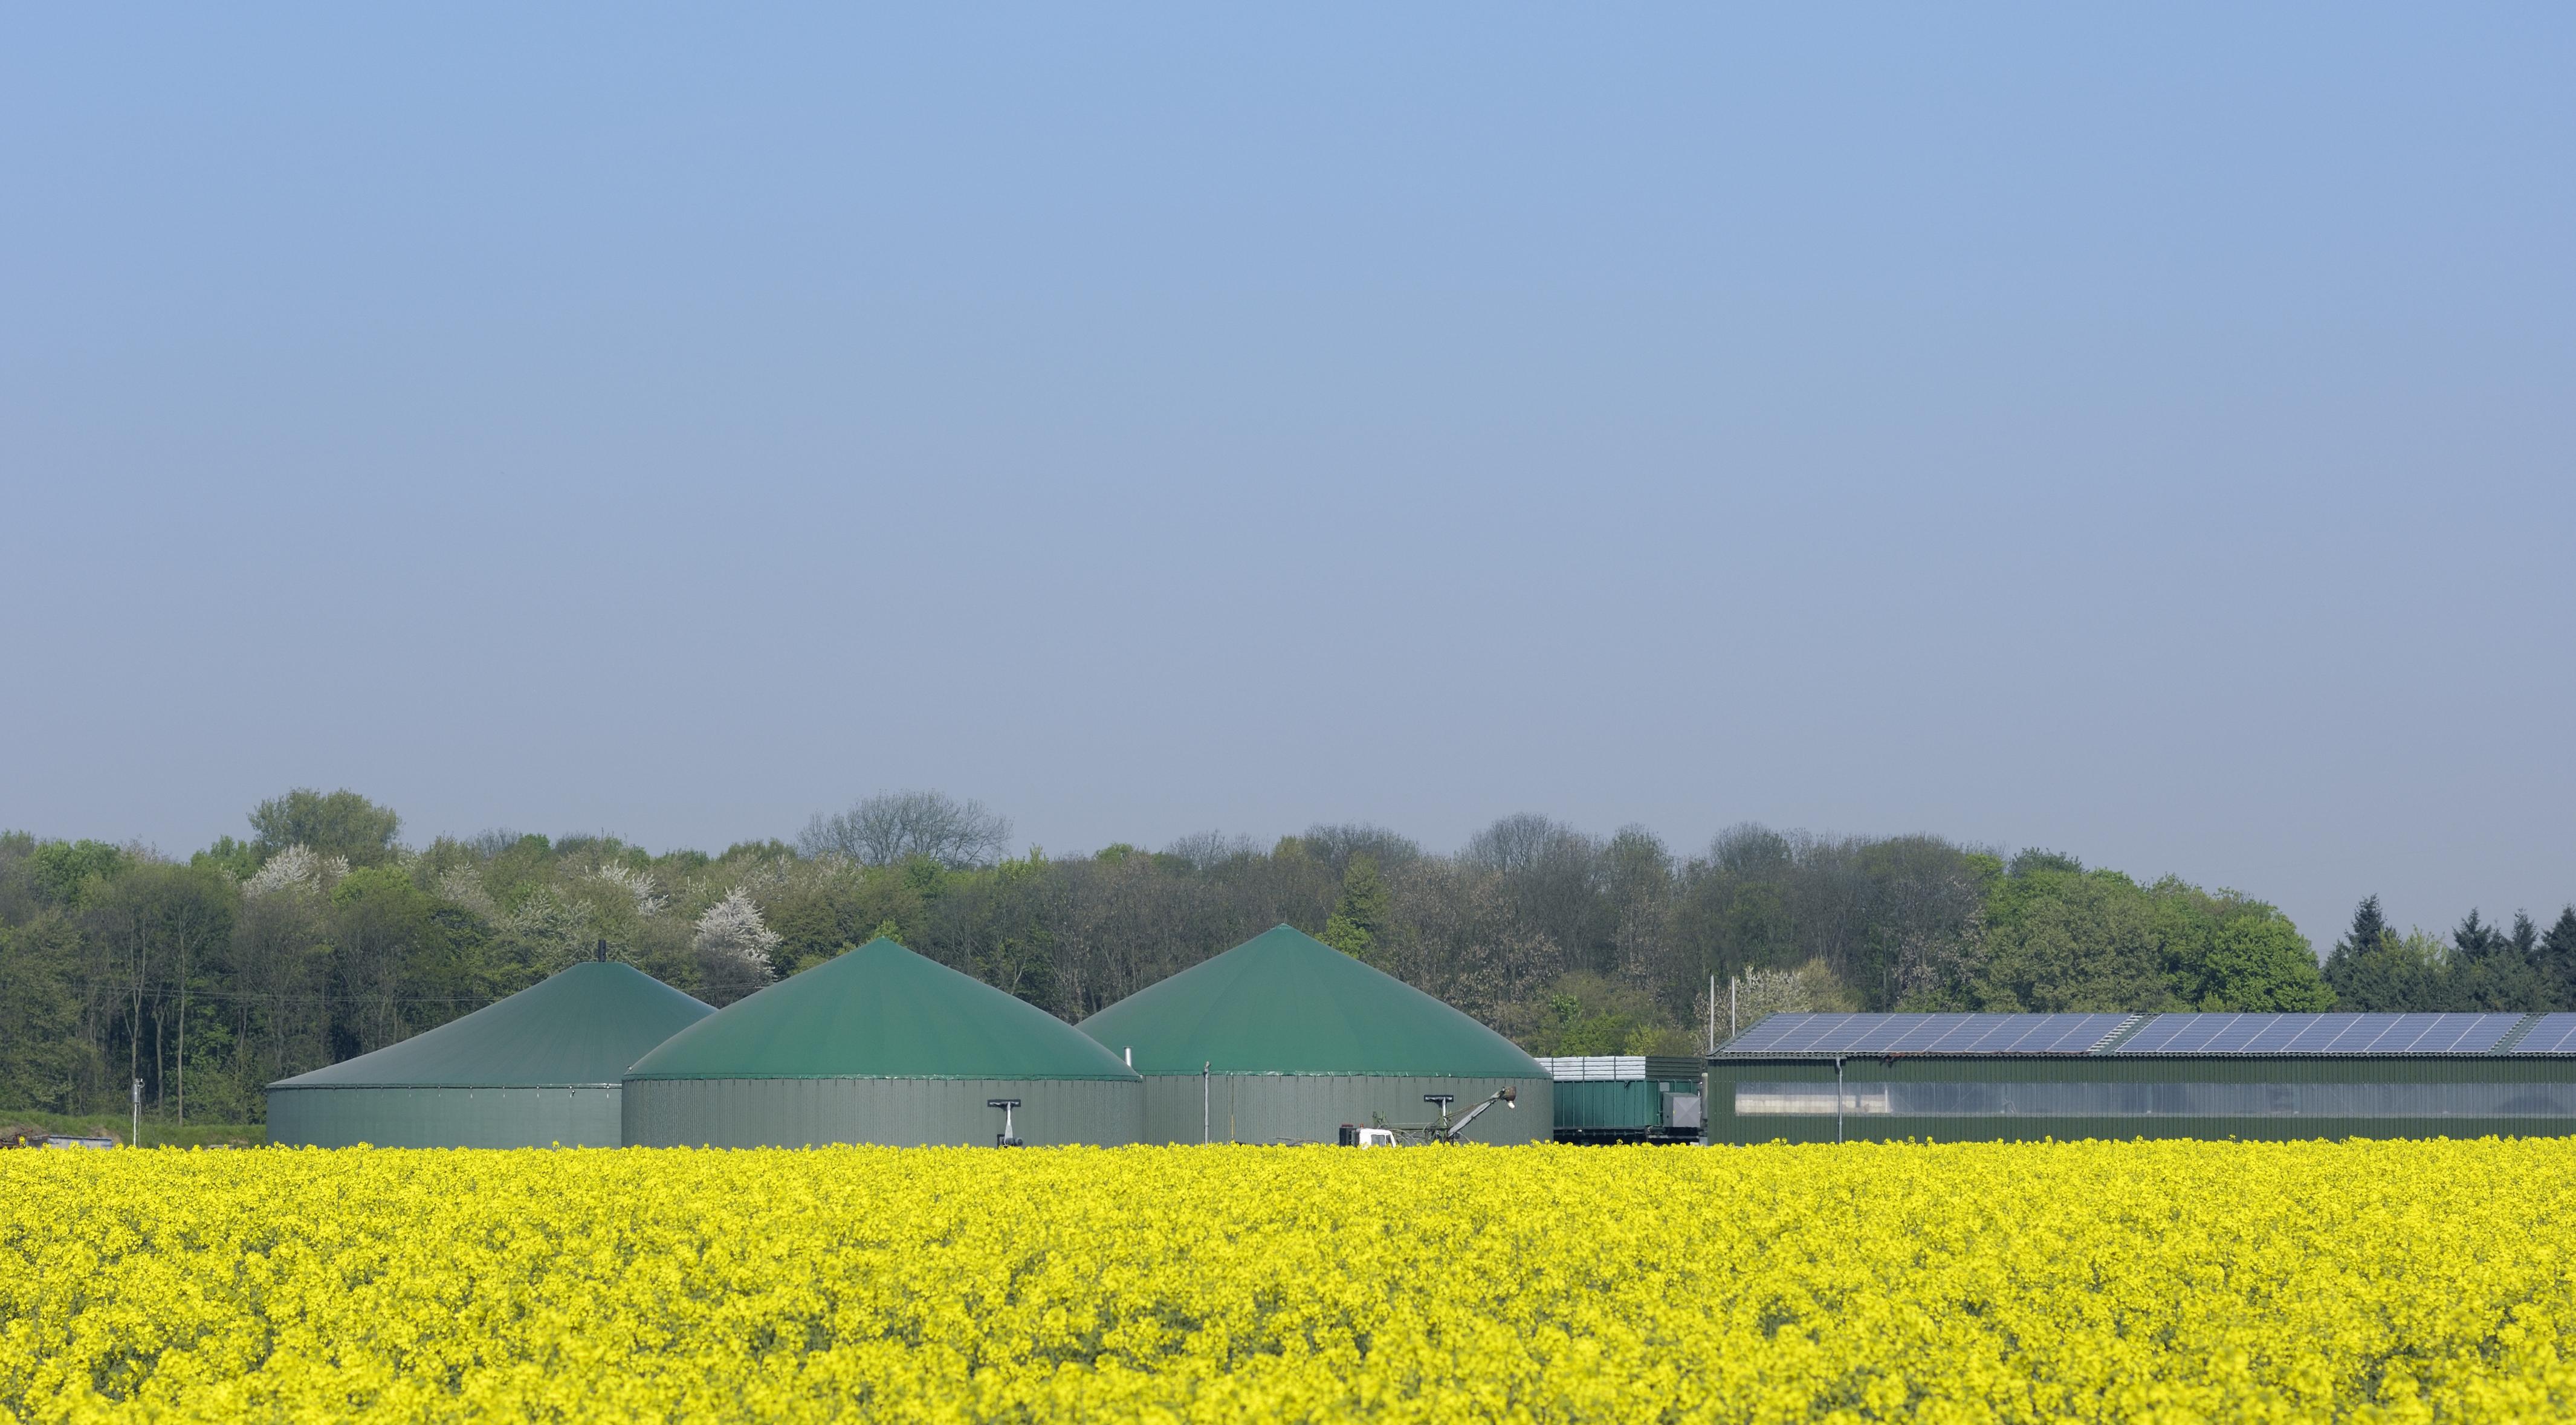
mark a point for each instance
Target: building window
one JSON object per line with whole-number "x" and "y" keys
{"x": 2126, "y": 1100}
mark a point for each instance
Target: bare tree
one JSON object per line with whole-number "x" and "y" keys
{"x": 893, "y": 827}
{"x": 1518, "y": 843}
{"x": 1551, "y": 884}
{"x": 1335, "y": 845}
{"x": 1207, "y": 850}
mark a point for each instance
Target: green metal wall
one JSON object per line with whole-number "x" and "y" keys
{"x": 1311, "y": 1108}
{"x": 795, "y": 1113}
{"x": 445, "y": 1117}
{"x": 1860, "y": 1075}
{"x": 1613, "y": 1105}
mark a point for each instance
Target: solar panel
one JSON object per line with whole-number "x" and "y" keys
{"x": 1928, "y": 1034}
{"x": 2320, "y": 1034}
{"x": 2554, "y": 1034}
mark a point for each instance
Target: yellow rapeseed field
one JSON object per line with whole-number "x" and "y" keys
{"x": 2166, "y": 1281}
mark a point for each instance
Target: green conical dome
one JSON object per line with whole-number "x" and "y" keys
{"x": 582, "y": 1026}
{"x": 1284, "y": 1002}
{"x": 880, "y": 1012}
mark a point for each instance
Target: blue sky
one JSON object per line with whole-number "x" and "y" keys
{"x": 2143, "y": 433}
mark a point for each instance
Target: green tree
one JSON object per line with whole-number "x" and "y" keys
{"x": 2395, "y": 975}
{"x": 340, "y": 823}
{"x": 1360, "y": 917}
{"x": 1586, "y": 1013}
{"x": 2492, "y": 969}
{"x": 393, "y": 962}
{"x": 2258, "y": 961}
{"x": 67, "y": 872}
{"x": 2557, "y": 958}
{"x": 2061, "y": 940}
{"x": 237, "y": 859}
{"x": 44, "y": 1058}
{"x": 2369, "y": 930}
{"x": 160, "y": 923}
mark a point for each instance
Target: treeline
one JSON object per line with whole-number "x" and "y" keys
{"x": 2481, "y": 966}
{"x": 323, "y": 936}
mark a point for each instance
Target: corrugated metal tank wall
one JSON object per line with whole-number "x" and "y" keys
{"x": 1311, "y": 1108}
{"x": 445, "y": 1117}
{"x": 811, "y": 1112}
{"x": 2488, "y": 1091}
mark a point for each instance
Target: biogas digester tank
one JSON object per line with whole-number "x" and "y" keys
{"x": 879, "y": 1046}
{"x": 538, "y": 1068}
{"x": 1297, "y": 1039}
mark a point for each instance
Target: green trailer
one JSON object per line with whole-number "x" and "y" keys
{"x": 1627, "y": 1098}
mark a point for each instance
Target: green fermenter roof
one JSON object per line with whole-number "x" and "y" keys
{"x": 880, "y": 1012}
{"x": 581, "y": 1026}
{"x": 1284, "y": 1002}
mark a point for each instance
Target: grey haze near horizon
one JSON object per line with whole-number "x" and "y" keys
{"x": 2145, "y": 434}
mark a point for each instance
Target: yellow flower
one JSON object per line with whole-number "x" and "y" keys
{"x": 2166, "y": 1281}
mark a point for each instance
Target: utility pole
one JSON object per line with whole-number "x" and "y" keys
{"x": 1731, "y": 1030}
{"x": 137, "y": 1140}
{"x": 1712, "y": 1014}
{"x": 1207, "y": 1092}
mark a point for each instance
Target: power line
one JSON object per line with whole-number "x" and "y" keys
{"x": 165, "y": 992}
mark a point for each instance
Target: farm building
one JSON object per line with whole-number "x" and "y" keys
{"x": 538, "y": 1068}
{"x": 1284, "y": 1039}
{"x": 1824, "y": 1077}
{"x": 1626, "y": 1098}
{"x": 880, "y": 1046}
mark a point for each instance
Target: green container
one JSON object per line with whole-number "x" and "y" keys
{"x": 541, "y": 1067}
{"x": 1627, "y": 1099}
{"x": 879, "y": 1046}
{"x": 1284, "y": 1039}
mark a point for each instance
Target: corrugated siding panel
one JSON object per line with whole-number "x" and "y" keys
{"x": 797, "y": 1113}
{"x": 445, "y": 1118}
{"x": 1859, "y": 1074}
{"x": 1311, "y": 1108}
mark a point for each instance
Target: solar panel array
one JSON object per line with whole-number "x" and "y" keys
{"x": 1825, "y": 1034}
{"x": 2320, "y": 1034}
{"x": 2554, "y": 1034}
{"x": 1928, "y": 1034}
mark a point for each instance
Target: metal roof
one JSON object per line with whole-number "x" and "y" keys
{"x": 880, "y": 1012}
{"x": 1618, "y": 1068}
{"x": 1928, "y": 1034}
{"x": 1284, "y": 1002}
{"x": 580, "y": 1027}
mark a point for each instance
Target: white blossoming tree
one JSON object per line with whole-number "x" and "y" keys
{"x": 733, "y": 946}
{"x": 298, "y": 867}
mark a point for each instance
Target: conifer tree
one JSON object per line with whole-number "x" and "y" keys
{"x": 2557, "y": 958}
{"x": 2369, "y": 928}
